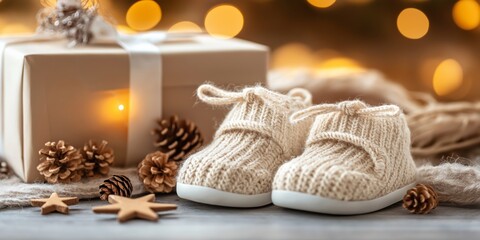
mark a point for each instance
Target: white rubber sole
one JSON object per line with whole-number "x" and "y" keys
{"x": 216, "y": 197}
{"x": 307, "y": 202}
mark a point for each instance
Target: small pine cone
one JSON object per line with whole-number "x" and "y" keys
{"x": 4, "y": 170}
{"x": 420, "y": 199}
{"x": 176, "y": 137}
{"x": 3, "y": 167}
{"x": 60, "y": 163}
{"x": 98, "y": 158}
{"x": 158, "y": 172}
{"x": 119, "y": 185}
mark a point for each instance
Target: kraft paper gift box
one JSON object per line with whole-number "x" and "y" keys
{"x": 52, "y": 92}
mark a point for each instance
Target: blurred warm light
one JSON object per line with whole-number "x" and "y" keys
{"x": 112, "y": 105}
{"x": 89, "y": 3}
{"x": 144, "y": 15}
{"x": 292, "y": 55}
{"x": 448, "y": 77}
{"x": 125, "y": 29}
{"x": 321, "y": 3}
{"x": 185, "y": 26}
{"x": 121, "y": 107}
{"x": 53, "y": 3}
{"x": 339, "y": 62}
{"x": 16, "y": 28}
{"x": 49, "y": 3}
{"x": 224, "y": 21}
{"x": 412, "y": 23}
{"x": 466, "y": 14}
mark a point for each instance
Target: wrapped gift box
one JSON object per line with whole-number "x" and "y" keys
{"x": 52, "y": 92}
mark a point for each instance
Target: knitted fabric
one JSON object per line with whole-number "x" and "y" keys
{"x": 454, "y": 182}
{"x": 354, "y": 152}
{"x": 255, "y": 138}
{"x": 15, "y": 193}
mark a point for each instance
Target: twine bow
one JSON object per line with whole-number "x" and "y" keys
{"x": 351, "y": 108}
{"x": 216, "y": 96}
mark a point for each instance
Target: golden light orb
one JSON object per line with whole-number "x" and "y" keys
{"x": 321, "y": 3}
{"x": 292, "y": 55}
{"x": 224, "y": 21}
{"x": 185, "y": 26}
{"x": 121, "y": 107}
{"x": 412, "y": 23}
{"x": 448, "y": 77}
{"x": 144, "y": 15}
{"x": 466, "y": 14}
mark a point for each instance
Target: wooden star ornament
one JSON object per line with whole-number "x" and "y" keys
{"x": 128, "y": 208}
{"x": 54, "y": 203}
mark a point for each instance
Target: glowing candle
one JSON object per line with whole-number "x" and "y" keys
{"x": 121, "y": 107}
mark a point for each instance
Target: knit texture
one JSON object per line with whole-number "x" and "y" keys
{"x": 15, "y": 193}
{"x": 454, "y": 182}
{"x": 255, "y": 138}
{"x": 354, "y": 152}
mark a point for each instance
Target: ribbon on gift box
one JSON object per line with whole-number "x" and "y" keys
{"x": 145, "y": 74}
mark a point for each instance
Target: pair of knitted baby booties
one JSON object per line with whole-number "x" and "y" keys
{"x": 345, "y": 158}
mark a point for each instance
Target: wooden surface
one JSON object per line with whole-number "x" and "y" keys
{"x": 198, "y": 221}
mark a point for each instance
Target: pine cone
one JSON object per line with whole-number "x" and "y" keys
{"x": 60, "y": 163}
{"x": 177, "y": 138}
{"x": 3, "y": 167}
{"x": 98, "y": 158}
{"x": 4, "y": 170}
{"x": 158, "y": 172}
{"x": 117, "y": 185}
{"x": 420, "y": 199}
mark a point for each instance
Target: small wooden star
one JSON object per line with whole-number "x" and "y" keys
{"x": 128, "y": 208}
{"x": 54, "y": 203}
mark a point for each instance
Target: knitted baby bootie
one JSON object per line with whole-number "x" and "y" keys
{"x": 256, "y": 137}
{"x": 356, "y": 160}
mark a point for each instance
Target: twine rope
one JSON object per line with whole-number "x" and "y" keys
{"x": 350, "y": 108}
{"x": 215, "y": 96}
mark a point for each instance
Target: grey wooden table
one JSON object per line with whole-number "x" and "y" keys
{"x": 198, "y": 221}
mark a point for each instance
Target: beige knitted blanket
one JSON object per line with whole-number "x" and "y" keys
{"x": 15, "y": 193}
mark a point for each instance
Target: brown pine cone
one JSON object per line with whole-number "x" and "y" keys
{"x": 158, "y": 172}
{"x": 98, "y": 158}
{"x": 119, "y": 185}
{"x": 60, "y": 163}
{"x": 4, "y": 170}
{"x": 420, "y": 199}
{"x": 3, "y": 167}
{"x": 176, "y": 137}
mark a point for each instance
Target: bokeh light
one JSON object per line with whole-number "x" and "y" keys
{"x": 339, "y": 62}
{"x": 16, "y": 28}
{"x": 185, "y": 26}
{"x": 125, "y": 29}
{"x": 121, "y": 107}
{"x": 53, "y": 3}
{"x": 49, "y": 3}
{"x": 144, "y": 15}
{"x": 448, "y": 77}
{"x": 224, "y": 21}
{"x": 292, "y": 55}
{"x": 466, "y": 14}
{"x": 412, "y": 23}
{"x": 321, "y": 3}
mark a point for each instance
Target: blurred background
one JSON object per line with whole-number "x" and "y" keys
{"x": 426, "y": 45}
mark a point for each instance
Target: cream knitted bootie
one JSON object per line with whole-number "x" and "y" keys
{"x": 256, "y": 137}
{"x": 357, "y": 160}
